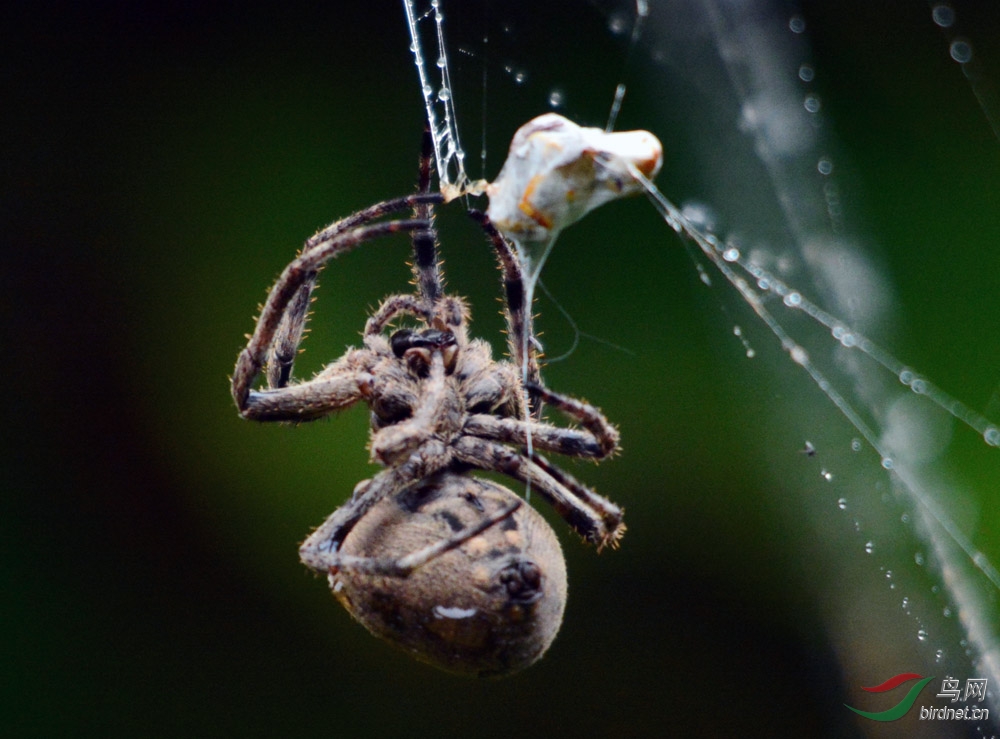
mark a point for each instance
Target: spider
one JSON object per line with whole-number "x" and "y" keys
{"x": 451, "y": 567}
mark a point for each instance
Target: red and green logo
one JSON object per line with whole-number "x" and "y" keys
{"x": 900, "y": 709}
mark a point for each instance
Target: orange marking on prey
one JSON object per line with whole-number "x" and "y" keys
{"x": 528, "y": 209}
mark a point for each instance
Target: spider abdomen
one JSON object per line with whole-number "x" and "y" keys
{"x": 491, "y": 607}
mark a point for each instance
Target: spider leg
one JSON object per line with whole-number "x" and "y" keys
{"x": 572, "y": 442}
{"x": 449, "y": 312}
{"x": 603, "y": 431}
{"x": 426, "y": 269}
{"x": 339, "y": 385}
{"x": 292, "y": 327}
{"x": 400, "y": 440}
{"x": 301, "y": 272}
{"x": 518, "y": 315}
{"x": 323, "y": 543}
{"x": 592, "y": 516}
{"x": 333, "y": 561}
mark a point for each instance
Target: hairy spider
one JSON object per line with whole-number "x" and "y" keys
{"x": 450, "y": 567}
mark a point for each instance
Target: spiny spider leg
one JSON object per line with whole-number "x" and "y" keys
{"x": 426, "y": 269}
{"x": 604, "y": 433}
{"x": 592, "y": 516}
{"x": 572, "y": 442}
{"x": 518, "y": 315}
{"x": 334, "y": 561}
{"x": 289, "y": 334}
{"x": 396, "y": 442}
{"x": 300, "y": 271}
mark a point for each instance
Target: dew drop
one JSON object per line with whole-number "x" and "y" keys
{"x": 700, "y": 215}
{"x": 992, "y": 436}
{"x": 961, "y": 51}
{"x": 793, "y": 300}
{"x": 939, "y": 656}
{"x": 906, "y": 603}
{"x": 855, "y": 445}
{"x": 797, "y": 24}
{"x": 444, "y": 94}
{"x": 906, "y": 376}
{"x": 946, "y": 612}
{"x": 918, "y": 557}
{"x": 887, "y": 463}
{"x": 905, "y": 518}
{"x": 806, "y": 73}
{"x": 842, "y": 504}
{"x": 919, "y": 386}
{"x": 557, "y": 99}
{"x": 731, "y": 254}
{"x": 520, "y": 76}
{"x": 943, "y": 15}
{"x": 618, "y": 23}
{"x": 811, "y": 104}
{"x": 824, "y": 166}
{"x": 869, "y": 547}
{"x": 826, "y": 475}
{"x": 922, "y": 634}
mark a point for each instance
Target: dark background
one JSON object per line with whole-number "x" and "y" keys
{"x": 160, "y": 166}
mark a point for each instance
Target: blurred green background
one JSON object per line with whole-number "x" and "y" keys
{"x": 162, "y": 164}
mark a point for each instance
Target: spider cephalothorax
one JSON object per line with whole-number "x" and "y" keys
{"x": 449, "y": 566}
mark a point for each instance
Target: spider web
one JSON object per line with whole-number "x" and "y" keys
{"x": 773, "y": 233}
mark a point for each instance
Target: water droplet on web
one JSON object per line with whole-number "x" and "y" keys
{"x": 520, "y": 76}
{"x": 811, "y": 103}
{"x": 961, "y": 51}
{"x": 906, "y": 604}
{"x": 992, "y": 436}
{"x": 946, "y": 612}
{"x": 939, "y": 656}
{"x": 799, "y": 355}
{"x": 905, "y": 518}
{"x": 557, "y": 99}
{"x": 922, "y": 634}
{"x": 887, "y": 463}
{"x": 826, "y": 475}
{"x": 700, "y": 215}
{"x": 444, "y": 94}
{"x": 869, "y": 547}
{"x": 842, "y": 504}
{"x": 618, "y": 23}
{"x": 797, "y": 24}
{"x": 856, "y": 445}
{"x": 731, "y": 255}
{"x": 919, "y": 559}
{"x": 806, "y": 73}
{"x": 793, "y": 300}
{"x": 824, "y": 166}
{"x": 943, "y": 15}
